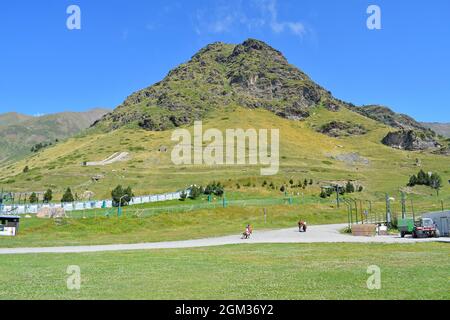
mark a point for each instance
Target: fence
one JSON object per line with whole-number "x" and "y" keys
{"x": 185, "y": 208}
{"x": 85, "y": 205}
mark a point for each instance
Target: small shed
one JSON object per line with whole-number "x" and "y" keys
{"x": 9, "y": 225}
{"x": 442, "y": 221}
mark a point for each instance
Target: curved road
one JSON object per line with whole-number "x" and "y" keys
{"x": 315, "y": 234}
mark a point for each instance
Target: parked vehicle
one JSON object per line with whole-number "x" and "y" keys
{"x": 423, "y": 228}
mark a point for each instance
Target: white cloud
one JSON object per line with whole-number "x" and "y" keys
{"x": 252, "y": 15}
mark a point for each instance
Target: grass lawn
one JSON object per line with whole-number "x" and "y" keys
{"x": 285, "y": 271}
{"x": 36, "y": 232}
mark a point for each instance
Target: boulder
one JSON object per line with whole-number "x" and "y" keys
{"x": 51, "y": 213}
{"x": 410, "y": 140}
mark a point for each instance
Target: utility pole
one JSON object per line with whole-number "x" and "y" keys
{"x": 388, "y": 210}
{"x": 337, "y": 196}
{"x": 119, "y": 213}
{"x": 412, "y": 209}
{"x": 403, "y": 205}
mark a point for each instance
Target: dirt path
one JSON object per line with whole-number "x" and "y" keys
{"x": 315, "y": 234}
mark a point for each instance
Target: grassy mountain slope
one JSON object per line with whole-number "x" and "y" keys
{"x": 305, "y": 153}
{"x": 19, "y": 133}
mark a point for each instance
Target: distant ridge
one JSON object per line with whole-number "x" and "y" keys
{"x": 19, "y": 133}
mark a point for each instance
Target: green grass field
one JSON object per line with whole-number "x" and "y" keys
{"x": 320, "y": 271}
{"x": 36, "y": 232}
{"x": 294, "y": 271}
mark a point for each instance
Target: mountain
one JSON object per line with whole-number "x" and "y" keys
{"x": 249, "y": 85}
{"x": 20, "y": 133}
{"x": 252, "y": 75}
{"x": 12, "y": 118}
{"x": 442, "y": 129}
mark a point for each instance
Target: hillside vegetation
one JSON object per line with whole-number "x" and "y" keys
{"x": 19, "y": 133}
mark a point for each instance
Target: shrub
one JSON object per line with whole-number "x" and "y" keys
{"x": 48, "y": 196}
{"x": 215, "y": 189}
{"x": 34, "y": 198}
{"x": 196, "y": 192}
{"x": 67, "y": 196}
{"x": 121, "y": 196}
{"x": 349, "y": 188}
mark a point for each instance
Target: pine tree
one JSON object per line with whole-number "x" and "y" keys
{"x": 68, "y": 196}
{"x": 48, "y": 196}
{"x": 121, "y": 197}
{"x": 34, "y": 198}
{"x": 349, "y": 188}
{"x": 436, "y": 182}
{"x": 412, "y": 181}
{"x": 423, "y": 179}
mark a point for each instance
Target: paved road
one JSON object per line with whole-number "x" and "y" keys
{"x": 315, "y": 234}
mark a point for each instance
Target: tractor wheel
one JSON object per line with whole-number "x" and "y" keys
{"x": 402, "y": 234}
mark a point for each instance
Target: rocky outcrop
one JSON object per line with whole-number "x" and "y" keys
{"x": 337, "y": 129}
{"x": 388, "y": 117}
{"x": 411, "y": 140}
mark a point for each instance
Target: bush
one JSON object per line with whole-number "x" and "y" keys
{"x": 26, "y": 169}
{"x": 48, "y": 196}
{"x": 349, "y": 188}
{"x": 214, "y": 189}
{"x": 67, "y": 196}
{"x": 196, "y": 192}
{"x": 423, "y": 179}
{"x": 34, "y": 198}
{"x": 121, "y": 196}
{"x": 183, "y": 196}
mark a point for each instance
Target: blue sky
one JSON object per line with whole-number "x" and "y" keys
{"x": 124, "y": 46}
